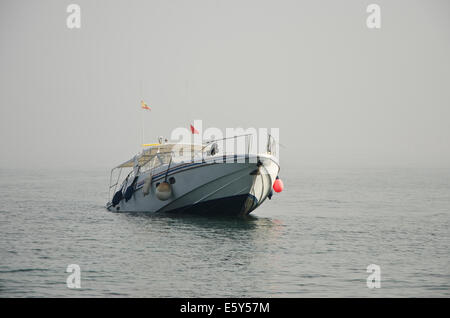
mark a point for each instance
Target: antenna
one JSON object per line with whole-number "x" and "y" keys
{"x": 142, "y": 115}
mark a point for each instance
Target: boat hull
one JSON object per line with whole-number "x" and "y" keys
{"x": 210, "y": 187}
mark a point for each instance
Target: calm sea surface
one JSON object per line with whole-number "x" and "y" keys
{"x": 314, "y": 239}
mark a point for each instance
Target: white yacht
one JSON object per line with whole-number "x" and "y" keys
{"x": 194, "y": 179}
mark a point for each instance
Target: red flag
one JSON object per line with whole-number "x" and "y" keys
{"x": 193, "y": 130}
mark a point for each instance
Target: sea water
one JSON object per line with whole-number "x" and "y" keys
{"x": 315, "y": 239}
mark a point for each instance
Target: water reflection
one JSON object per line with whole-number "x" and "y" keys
{"x": 182, "y": 252}
{"x": 232, "y": 227}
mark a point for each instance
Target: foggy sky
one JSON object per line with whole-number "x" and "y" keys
{"x": 340, "y": 93}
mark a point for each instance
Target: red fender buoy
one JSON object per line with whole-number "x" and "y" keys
{"x": 278, "y": 185}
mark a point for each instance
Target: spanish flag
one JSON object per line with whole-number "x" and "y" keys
{"x": 193, "y": 130}
{"x": 144, "y": 105}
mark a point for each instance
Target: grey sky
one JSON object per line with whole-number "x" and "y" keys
{"x": 340, "y": 93}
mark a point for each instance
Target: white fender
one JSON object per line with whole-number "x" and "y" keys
{"x": 163, "y": 191}
{"x": 147, "y": 185}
